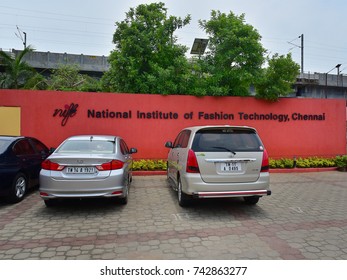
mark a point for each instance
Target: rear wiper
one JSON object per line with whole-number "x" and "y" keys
{"x": 226, "y": 149}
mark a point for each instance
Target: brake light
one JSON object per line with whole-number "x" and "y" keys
{"x": 49, "y": 165}
{"x": 192, "y": 163}
{"x": 112, "y": 165}
{"x": 117, "y": 193}
{"x": 265, "y": 162}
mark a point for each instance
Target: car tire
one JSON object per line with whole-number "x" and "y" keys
{"x": 124, "y": 199}
{"x": 251, "y": 200}
{"x": 18, "y": 188}
{"x": 183, "y": 199}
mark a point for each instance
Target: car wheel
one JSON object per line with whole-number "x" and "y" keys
{"x": 251, "y": 200}
{"x": 183, "y": 199}
{"x": 124, "y": 199}
{"x": 18, "y": 189}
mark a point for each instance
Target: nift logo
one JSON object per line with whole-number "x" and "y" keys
{"x": 68, "y": 112}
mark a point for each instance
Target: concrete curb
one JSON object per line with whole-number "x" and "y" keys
{"x": 302, "y": 170}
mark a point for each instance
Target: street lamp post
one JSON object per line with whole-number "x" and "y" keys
{"x": 199, "y": 46}
{"x": 326, "y": 78}
{"x": 338, "y": 73}
{"x": 25, "y": 39}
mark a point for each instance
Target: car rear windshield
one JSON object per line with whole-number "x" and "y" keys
{"x": 221, "y": 140}
{"x": 87, "y": 146}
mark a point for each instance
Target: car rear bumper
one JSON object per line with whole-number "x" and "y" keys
{"x": 114, "y": 192}
{"x": 108, "y": 187}
{"x": 231, "y": 194}
{"x": 192, "y": 184}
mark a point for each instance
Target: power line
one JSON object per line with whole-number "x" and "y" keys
{"x": 50, "y": 13}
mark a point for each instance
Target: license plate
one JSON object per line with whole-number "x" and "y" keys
{"x": 231, "y": 166}
{"x": 81, "y": 170}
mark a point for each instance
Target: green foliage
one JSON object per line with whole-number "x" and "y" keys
{"x": 278, "y": 78}
{"x": 314, "y": 162}
{"x": 36, "y": 82}
{"x": 341, "y": 161}
{"x": 310, "y": 162}
{"x": 146, "y": 58}
{"x": 17, "y": 71}
{"x": 281, "y": 163}
{"x": 67, "y": 78}
{"x": 149, "y": 165}
{"x": 235, "y": 54}
{"x": 89, "y": 84}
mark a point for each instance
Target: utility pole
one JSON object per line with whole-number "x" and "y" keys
{"x": 326, "y": 78}
{"x": 302, "y": 53}
{"x": 19, "y": 35}
{"x": 25, "y": 39}
{"x": 302, "y": 50}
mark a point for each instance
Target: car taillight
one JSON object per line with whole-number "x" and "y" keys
{"x": 44, "y": 194}
{"x": 265, "y": 162}
{"x": 192, "y": 163}
{"x": 112, "y": 165}
{"x": 49, "y": 165}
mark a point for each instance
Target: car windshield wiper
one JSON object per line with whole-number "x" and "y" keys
{"x": 226, "y": 149}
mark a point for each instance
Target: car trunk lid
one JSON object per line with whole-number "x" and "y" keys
{"x": 81, "y": 166}
{"x": 216, "y": 167}
{"x": 228, "y": 154}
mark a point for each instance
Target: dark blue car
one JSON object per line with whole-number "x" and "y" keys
{"x": 20, "y": 165}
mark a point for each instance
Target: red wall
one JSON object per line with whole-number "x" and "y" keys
{"x": 325, "y": 137}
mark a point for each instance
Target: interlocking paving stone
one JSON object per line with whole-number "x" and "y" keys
{"x": 304, "y": 218}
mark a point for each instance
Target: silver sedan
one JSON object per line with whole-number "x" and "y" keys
{"x": 87, "y": 166}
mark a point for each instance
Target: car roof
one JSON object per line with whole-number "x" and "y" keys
{"x": 93, "y": 137}
{"x": 197, "y": 128}
{"x": 9, "y": 137}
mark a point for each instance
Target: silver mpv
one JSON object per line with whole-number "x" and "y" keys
{"x": 87, "y": 166}
{"x": 218, "y": 161}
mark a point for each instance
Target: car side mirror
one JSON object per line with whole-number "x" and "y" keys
{"x": 168, "y": 144}
{"x": 133, "y": 151}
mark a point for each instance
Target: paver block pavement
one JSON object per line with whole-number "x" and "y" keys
{"x": 304, "y": 218}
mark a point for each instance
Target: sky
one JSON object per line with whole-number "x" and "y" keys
{"x": 86, "y": 27}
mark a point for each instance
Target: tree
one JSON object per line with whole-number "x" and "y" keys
{"x": 235, "y": 56}
{"x": 36, "y": 82}
{"x": 146, "y": 57}
{"x": 278, "y": 78}
{"x": 17, "y": 72}
{"x": 68, "y": 78}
